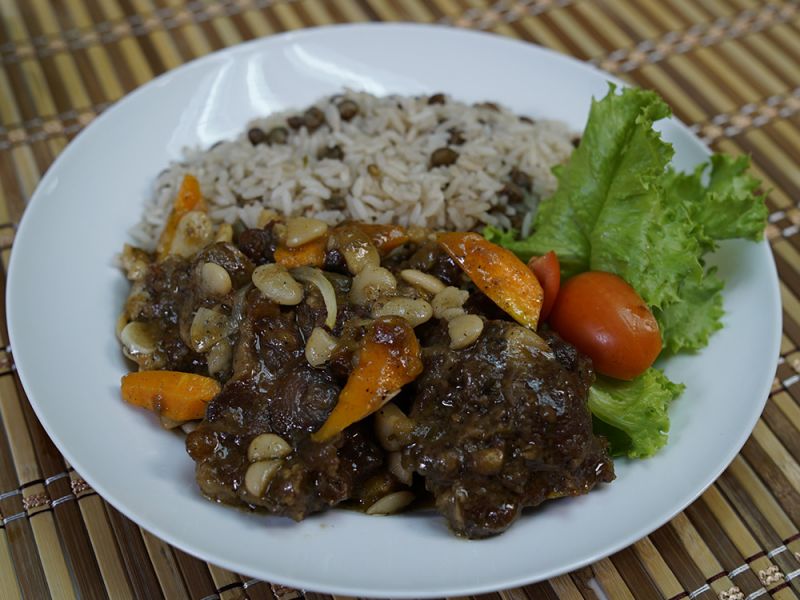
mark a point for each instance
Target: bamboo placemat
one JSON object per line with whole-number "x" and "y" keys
{"x": 730, "y": 68}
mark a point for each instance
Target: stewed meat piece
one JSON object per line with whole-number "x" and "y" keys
{"x": 503, "y": 425}
{"x": 273, "y": 391}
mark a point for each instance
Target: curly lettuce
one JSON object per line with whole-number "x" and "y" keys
{"x": 633, "y": 414}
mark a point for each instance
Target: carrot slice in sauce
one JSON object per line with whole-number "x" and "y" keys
{"x": 498, "y": 273}
{"x": 384, "y": 237}
{"x": 310, "y": 254}
{"x": 189, "y": 198}
{"x": 389, "y": 358}
{"x": 172, "y": 394}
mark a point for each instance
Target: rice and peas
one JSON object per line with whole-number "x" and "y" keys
{"x": 428, "y": 160}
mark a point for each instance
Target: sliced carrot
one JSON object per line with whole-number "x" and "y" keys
{"x": 498, "y": 273}
{"x": 189, "y": 198}
{"x": 548, "y": 271}
{"x": 384, "y": 237}
{"x": 172, "y": 394}
{"x": 310, "y": 254}
{"x": 389, "y": 358}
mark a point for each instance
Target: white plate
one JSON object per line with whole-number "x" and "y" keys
{"x": 64, "y": 295}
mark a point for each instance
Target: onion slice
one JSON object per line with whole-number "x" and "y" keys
{"x": 237, "y": 311}
{"x": 315, "y": 276}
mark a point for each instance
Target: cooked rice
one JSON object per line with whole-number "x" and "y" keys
{"x": 396, "y": 134}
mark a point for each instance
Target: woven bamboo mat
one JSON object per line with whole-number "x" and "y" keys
{"x": 730, "y": 68}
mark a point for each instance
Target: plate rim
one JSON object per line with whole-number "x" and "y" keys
{"x": 36, "y": 202}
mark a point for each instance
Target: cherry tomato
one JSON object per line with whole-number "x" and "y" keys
{"x": 548, "y": 272}
{"x": 603, "y": 317}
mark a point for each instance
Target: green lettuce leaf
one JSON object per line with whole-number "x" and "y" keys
{"x": 602, "y": 167}
{"x": 727, "y": 207}
{"x": 688, "y": 323}
{"x": 633, "y": 415}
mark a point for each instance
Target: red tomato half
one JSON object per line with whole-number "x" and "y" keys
{"x": 548, "y": 272}
{"x": 603, "y": 317}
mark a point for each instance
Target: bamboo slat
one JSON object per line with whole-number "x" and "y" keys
{"x": 104, "y": 548}
{"x": 729, "y": 68}
{"x": 9, "y": 588}
{"x": 165, "y": 567}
